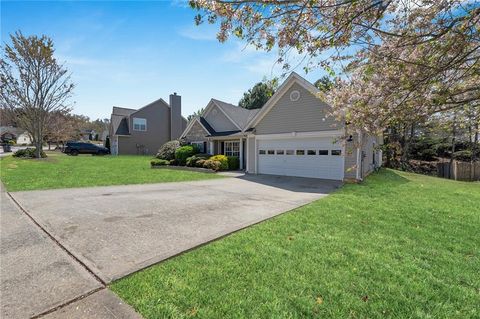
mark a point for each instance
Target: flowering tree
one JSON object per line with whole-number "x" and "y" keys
{"x": 401, "y": 60}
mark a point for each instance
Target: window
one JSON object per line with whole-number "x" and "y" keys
{"x": 139, "y": 124}
{"x": 336, "y": 152}
{"x": 280, "y": 152}
{"x": 232, "y": 148}
{"x": 289, "y": 152}
{"x": 271, "y": 152}
{"x": 200, "y": 146}
{"x": 311, "y": 152}
{"x": 322, "y": 152}
{"x": 300, "y": 152}
{"x": 261, "y": 152}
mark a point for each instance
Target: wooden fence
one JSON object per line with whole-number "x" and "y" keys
{"x": 459, "y": 171}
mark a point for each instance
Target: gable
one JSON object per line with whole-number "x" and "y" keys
{"x": 196, "y": 132}
{"x": 307, "y": 114}
{"x": 217, "y": 119}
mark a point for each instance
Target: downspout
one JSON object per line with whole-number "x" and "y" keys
{"x": 359, "y": 176}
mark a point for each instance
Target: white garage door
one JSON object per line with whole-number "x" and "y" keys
{"x": 304, "y": 157}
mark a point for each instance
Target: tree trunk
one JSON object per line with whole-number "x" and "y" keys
{"x": 454, "y": 132}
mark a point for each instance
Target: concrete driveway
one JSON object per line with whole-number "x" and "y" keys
{"x": 118, "y": 230}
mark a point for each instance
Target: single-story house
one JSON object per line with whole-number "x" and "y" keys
{"x": 24, "y": 138}
{"x": 143, "y": 131}
{"x": 292, "y": 135}
{"x": 17, "y": 134}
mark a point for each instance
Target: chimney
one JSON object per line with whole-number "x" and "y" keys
{"x": 176, "y": 128}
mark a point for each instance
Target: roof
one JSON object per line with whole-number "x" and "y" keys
{"x": 225, "y": 133}
{"x": 122, "y": 111}
{"x": 236, "y": 113}
{"x": 206, "y": 125}
{"x": 119, "y": 125}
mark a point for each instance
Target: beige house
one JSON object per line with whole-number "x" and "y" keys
{"x": 290, "y": 135}
{"x": 143, "y": 131}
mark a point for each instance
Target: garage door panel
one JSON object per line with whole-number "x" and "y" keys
{"x": 317, "y": 166}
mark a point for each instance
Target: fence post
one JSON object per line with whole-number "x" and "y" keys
{"x": 455, "y": 164}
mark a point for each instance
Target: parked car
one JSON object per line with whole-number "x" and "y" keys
{"x": 75, "y": 148}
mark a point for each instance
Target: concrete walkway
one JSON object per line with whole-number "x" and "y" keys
{"x": 37, "y": 275}
{"x": 116, "y": 230}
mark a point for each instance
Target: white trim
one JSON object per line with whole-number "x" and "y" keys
{"x": 299, "y": 135}
{"x": 256, "y": 155}
{"x": 212, "y": 147}
{"x": 189, "y": 127}
{"x": 292, "y": 78}
{"x": 139, "y": 125}
{"x": 207, "y": 110}
{"x": 359, "y": 157}
{"x": 247, "y": 166}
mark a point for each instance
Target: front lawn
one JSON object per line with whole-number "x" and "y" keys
{"x": 399, "y": 245}
{"x": 62, "y": 171}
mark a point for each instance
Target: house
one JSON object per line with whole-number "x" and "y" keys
{"x": 24, "y": 138}
{"x": 143, "y": 131}
{"x": 290, "y": 135}
{"x": 17, "y": 134}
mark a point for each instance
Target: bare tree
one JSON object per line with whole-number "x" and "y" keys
{"x": 33, "y": 85}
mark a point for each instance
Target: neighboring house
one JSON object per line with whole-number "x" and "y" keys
{"x": 291, "y": 135}
{"x": 86, "y": 134}
{"x": 21, "y": 136}
{"x": 24, "y": 138}
{"x": 143, "y": 131}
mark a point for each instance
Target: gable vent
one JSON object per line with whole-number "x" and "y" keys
{"x": 294, "y": 96}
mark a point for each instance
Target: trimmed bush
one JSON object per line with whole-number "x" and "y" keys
{"x": 200, "y": 162}
{"x": 173, "y": 162}
{"x": 192, "y": 160}
{"x": 28, "y": 153}
{"x": 223, "y": 161}
{"x": 184, "y": 152}
{"x": 233, "y": 162}
{"x": 167, "y": 150}
{"x": 212, "y": 164}
{"x": 159, "y": 162}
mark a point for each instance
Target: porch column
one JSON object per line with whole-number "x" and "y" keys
{"x": 212, "y": 148}
{"x": 241, "y": 153}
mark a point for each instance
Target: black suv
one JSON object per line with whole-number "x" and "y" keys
{"x": 75, "y": 148}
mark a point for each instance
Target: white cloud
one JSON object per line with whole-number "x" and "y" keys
{"x": 199, "y": 33}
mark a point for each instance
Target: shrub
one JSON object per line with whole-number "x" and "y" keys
{"x": 28, "y": 153}
{"x": 463, "y": 156}
{"x": 184, "y": 152}
{"x": 192, "y": 160}
{"x": 443, "y": 149}
{"x": 223, "y": 161}
{"x": 173, "y": 162}
{"x": 212, "y": 164}
{"x": 159, "y": 162}
{"x": 233, "y": 162}
{"x": 167, "y": 150}
{"x": 200, "y": 163}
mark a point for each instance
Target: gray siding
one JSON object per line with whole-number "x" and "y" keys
{"x": 307, "y": 114}
{"x": 158, "y": 131}
{"x": 368, "y": 149}
{"x": 219, "y": 121}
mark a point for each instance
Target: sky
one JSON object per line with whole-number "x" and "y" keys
{"x": 130, "y": 53}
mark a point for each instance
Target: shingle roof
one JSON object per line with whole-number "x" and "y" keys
{"x": 206, "y": 125}
{"x": 119, "y": 125}
{"x": 238, "y": 114}
{"x": 122, "y": 111}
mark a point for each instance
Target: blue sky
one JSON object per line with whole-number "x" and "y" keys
{"x": 128, "y": 54}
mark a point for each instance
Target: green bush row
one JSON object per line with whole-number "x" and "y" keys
{"x": 28, "y": 153}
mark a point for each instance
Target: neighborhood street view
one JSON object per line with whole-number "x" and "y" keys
{"x": 240, "y": 159}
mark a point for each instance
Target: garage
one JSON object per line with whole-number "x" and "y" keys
{"x": 319, "y": 157}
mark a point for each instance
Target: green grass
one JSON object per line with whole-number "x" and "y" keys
{"x": 61, "y": 171}
{"x": 399, "y": 245}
